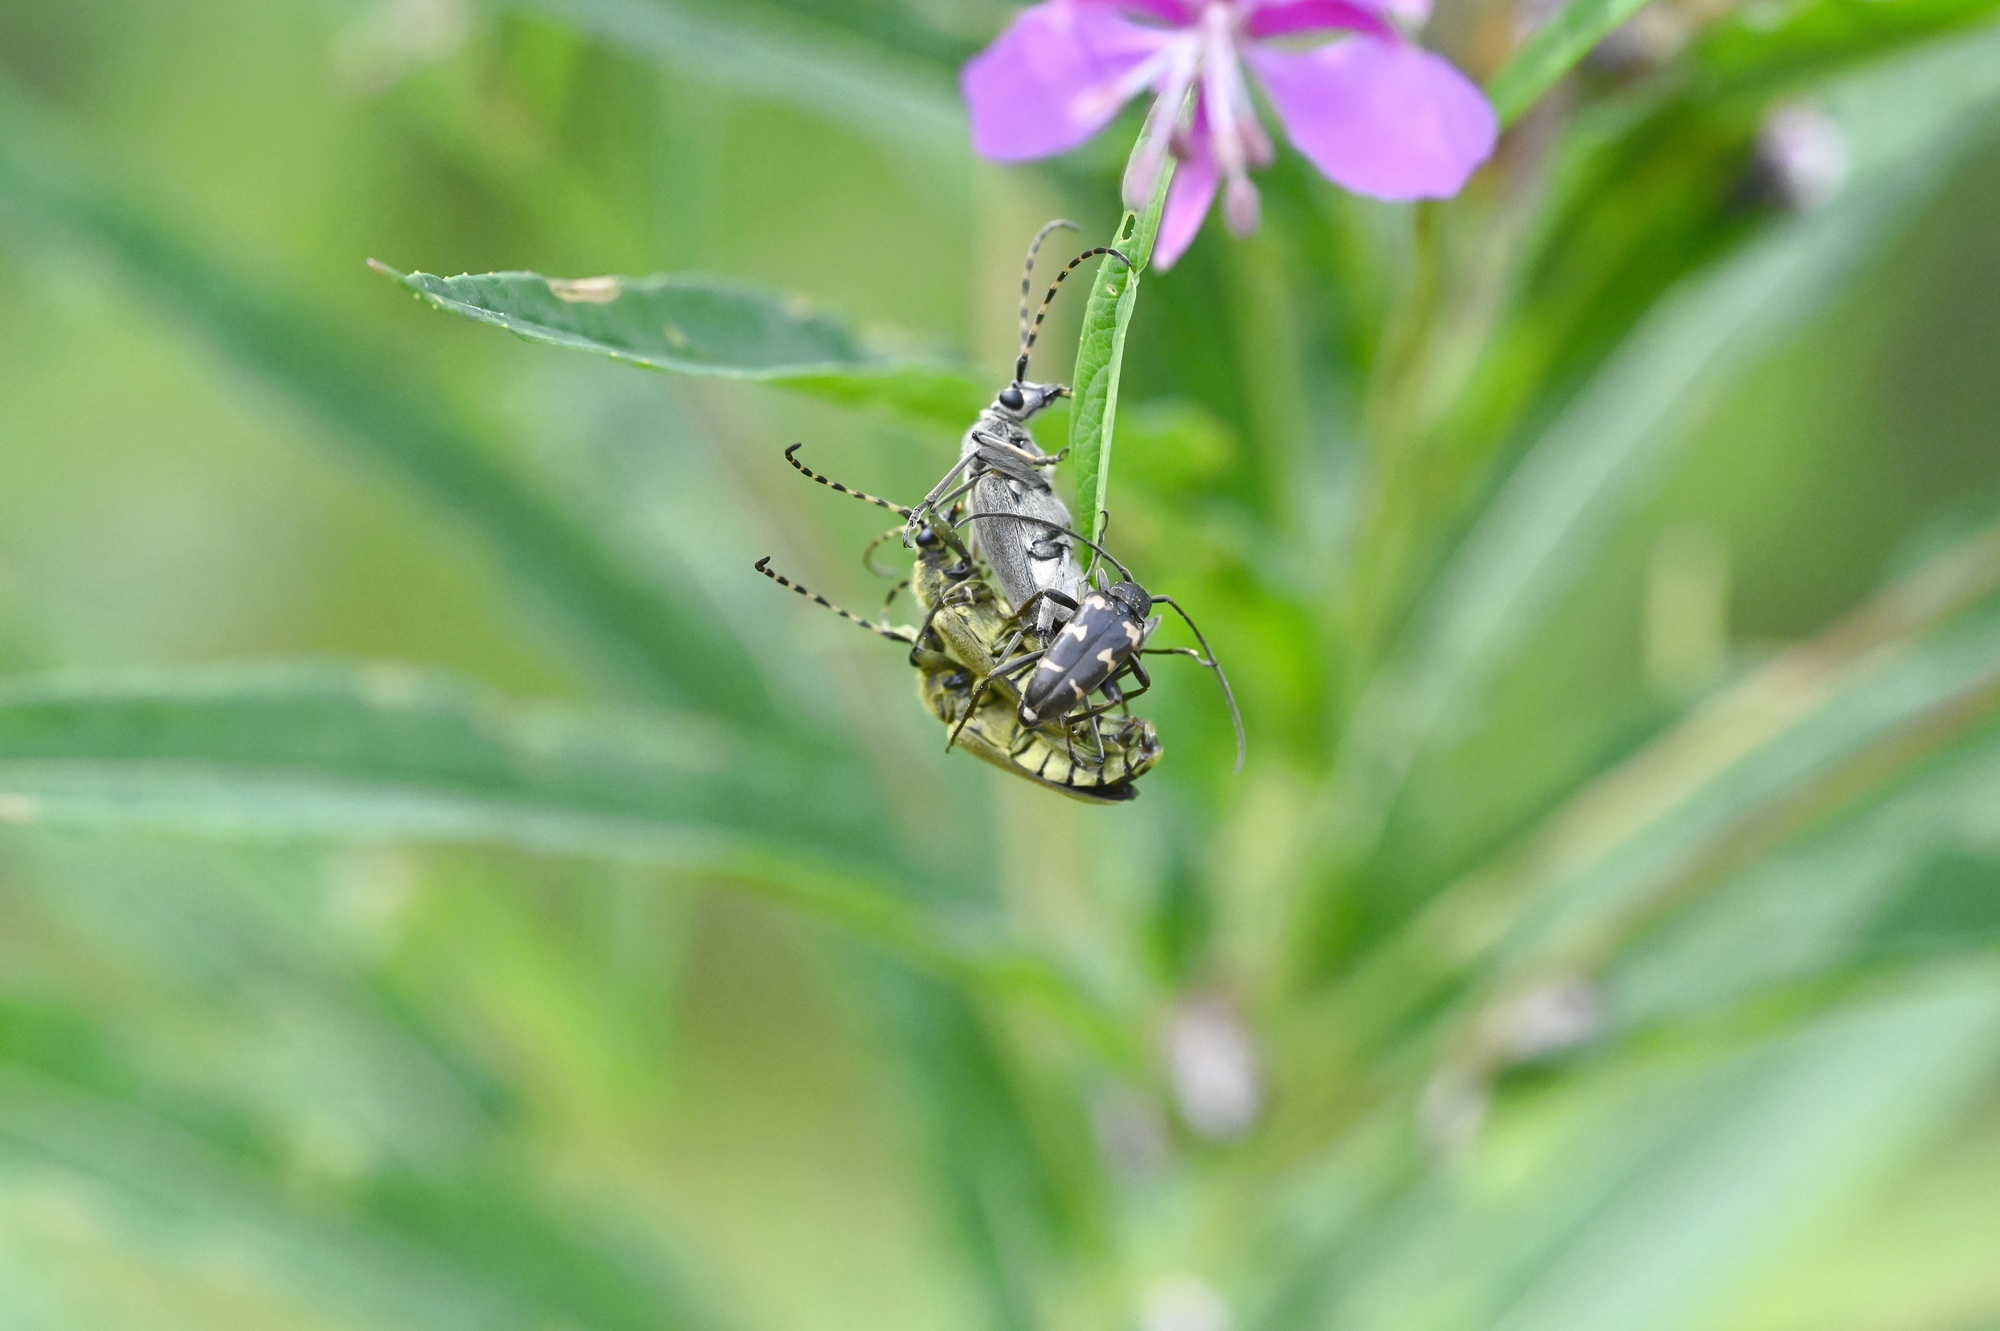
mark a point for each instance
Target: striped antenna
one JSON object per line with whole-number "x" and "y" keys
{"x": 832, "y": 484}
{"x": 889, "y": 631}
{"x": 1028, "y": 272}
{"x": 1035, "y": 330}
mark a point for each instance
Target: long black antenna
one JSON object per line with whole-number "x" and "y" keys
{"x": 1208, "y": 659}
{"x": 1028, "y": 270}
{"x": 889, "y": 631}
{"x": 1035, "y": 329}
{"x": 831, "y": 484}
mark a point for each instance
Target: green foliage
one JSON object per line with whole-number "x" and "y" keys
{"x": 1100, "y": 354}
{"x": 703, "y": 326}
{"x": 1607, "y": 560}
{"x": 1555, "y": 48}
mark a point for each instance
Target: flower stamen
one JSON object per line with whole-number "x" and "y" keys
{"x": 1149, "y": 157}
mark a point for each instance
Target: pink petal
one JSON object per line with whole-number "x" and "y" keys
{"x": 1050, "y": 81}
{"x": 1188, "y": 201}
{"x": 1385, "y": 119}
{"x": 1287, "y": 16}
{"x": 1177, "y": 12}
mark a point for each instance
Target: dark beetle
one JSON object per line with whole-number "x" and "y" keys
{"x": 1101, "y": 645}
{"x": 1103, "y": 638}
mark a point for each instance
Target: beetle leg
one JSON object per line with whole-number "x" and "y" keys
{"x": 1113, "y": 695}
{"x": 926, "y": 508}
{"x": 1000, "y": 671}
{"x": 1023, "y": 616}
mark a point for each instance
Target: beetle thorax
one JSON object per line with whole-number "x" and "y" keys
{"x": 1132, "y": 597}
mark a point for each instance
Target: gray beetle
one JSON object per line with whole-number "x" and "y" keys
{"x": 1003, "y": 472}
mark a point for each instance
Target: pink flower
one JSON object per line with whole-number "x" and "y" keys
{"x": 1372, "y": 111}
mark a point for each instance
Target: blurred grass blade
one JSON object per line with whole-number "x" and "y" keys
{"x": 400, "y": 1251}
{"x": 763, "y": 51}
{"x": 999, "y": 1192}
{"x": 654, "y": 633}
{"x": 705, "y": 326}
{"x": 1906, "y": 126}
{"x": 391, "y": 753}
{"x": 1816, "y": 730}
{"x": 1652, "y": 1181}
{"x": 1100, "y": 354}
{"x": 1556, "y": 47}
{"x": 1906, "y": 882}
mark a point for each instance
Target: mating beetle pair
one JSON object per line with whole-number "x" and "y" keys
{"x": 956, "y": 650}
{"x": 1090, "y": 634}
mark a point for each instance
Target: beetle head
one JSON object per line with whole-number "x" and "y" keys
{"x": 1020, "y": 400}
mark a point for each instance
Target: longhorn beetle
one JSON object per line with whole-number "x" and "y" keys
{"x": 957, "y": 643}
{"x": 1102, "y": 644}
{"x": 1003, "y": 469}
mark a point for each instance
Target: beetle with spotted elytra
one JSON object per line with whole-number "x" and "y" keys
{"x": 1102, "y": 643}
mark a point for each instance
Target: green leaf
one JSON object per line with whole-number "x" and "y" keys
{"x": 1903, "y": 882}
{"x": 1100, "y": 354}
{"x": 705, "y": 326}
{"x": 1818, "y": 730}
{"x": 1907, "y": 125}
{"x": 1556, "y": 47}
{"x": 1632, "y": 1200}
{"x": 654, "y": 632}
{"x": 405, "y": 1250}
{"x": 388, "y": 752}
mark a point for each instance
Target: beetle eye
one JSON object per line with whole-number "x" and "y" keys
{"x": 926, "y": 538}
{"x": 1010, "y": 397}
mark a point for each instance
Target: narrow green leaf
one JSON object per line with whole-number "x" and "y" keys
{"x": 1824, "y": 727}
{"x": 402, "y": 1250}
{"x": 1819, "y": 729}
{"x": 1907, "y": 125}
{"x": 1632, "y": 1192}
{"x": 389, "y": 752}
{"x": 1100, "y": 355}
{"x": 1902, "y": 883}
{"x": 655, "y": 632}
{"x": 1554, "y": 50}
{"x": 706, "y": 326}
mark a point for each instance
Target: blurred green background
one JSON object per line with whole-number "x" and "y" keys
{"x": 442, "y": 886}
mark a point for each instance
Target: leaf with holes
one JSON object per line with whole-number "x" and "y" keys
{"x": 705, "y": 326}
